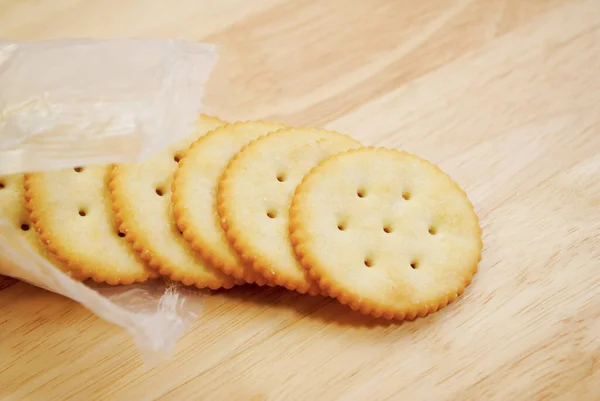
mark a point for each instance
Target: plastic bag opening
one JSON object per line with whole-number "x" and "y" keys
{"x": 80, "y": 102}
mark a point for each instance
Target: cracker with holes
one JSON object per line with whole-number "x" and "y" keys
{"x": 141, "y": 195}
{"x": 385, "y": 232}
{"x": 12, "y": 208}
{"x": 72, "y": 212}
{"x": 255, "y": 193}
{"x": 195, "y": 200}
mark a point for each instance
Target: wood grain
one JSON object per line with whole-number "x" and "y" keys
{"x": 502, "y": 94}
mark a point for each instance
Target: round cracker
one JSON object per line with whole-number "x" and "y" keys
{"x": 385, "y": 232}
{"x": 195, "y": 200}
{"x": 141, "y": 195}
{"x": 72, "y": 212}
{"x": 13, "y": 210}
{"x": 255, "y": 193}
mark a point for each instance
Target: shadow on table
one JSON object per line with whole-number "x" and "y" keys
{"x": 316, "y": 307}
{"x": 319, "y": 308}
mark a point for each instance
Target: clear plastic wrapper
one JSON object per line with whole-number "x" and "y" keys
{"x": 77, "y": 102}
{"x": 156, "y": 313}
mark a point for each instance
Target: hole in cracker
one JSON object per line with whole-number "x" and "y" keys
{"x": 25, "y": 227}
{"x": 82, "y": 212}
{"x": 341, "y": 226}
{"x": 176, "y": 158}
{"x": 281, "y": 177}
{"x": 159, "y": 192}
{"x": 387, "y": 229}
{"x": 1, "y": 185}
{"x": 414, "y": 264}
{"x": 432, "y": 230}
{"x": 406, "y": 195}
{"x": 272, "y": 214}
{"x": 122, "y": 235}
{"x": 78, "y": 169}
{"x": 368, "y": 262}
{"x": 361, "y": 193}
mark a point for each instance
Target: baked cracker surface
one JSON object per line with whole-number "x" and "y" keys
{"x": 13, "y": 210}
{"x": 385, "y": 232}
{"x": 141, "y": 195}
{"x": 254, "y": 196}
{"x": 72, "y": 212}
{"x": 195, "y": 194}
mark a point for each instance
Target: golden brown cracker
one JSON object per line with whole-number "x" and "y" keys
{"x": 13, "y": 210}
{"x": 385, "y": 232}
{"x": 255, "y": 193}
{"x": 194, "y": 194}
{"x": 72, "y": 212}
{"x": 141, "y": 195}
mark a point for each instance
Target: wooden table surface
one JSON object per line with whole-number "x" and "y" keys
{"x": 504, "y": 95}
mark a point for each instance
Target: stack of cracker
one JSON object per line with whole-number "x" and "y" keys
{"x": 311, "y": 210}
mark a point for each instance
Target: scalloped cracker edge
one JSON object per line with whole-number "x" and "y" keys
{"x": 170, "y": 255}
{"x": 204, "y": 233}
{"x": 41, "y": 211}
{"x": 385, "y": 289}
{"x": 281, "y": 269}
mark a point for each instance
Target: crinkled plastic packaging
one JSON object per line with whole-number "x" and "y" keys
{"x": 77, "y": 102}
